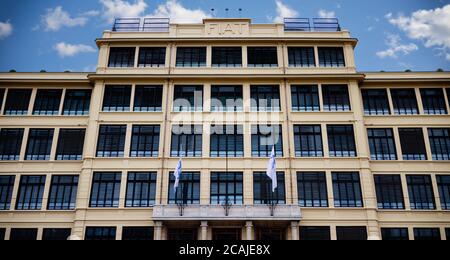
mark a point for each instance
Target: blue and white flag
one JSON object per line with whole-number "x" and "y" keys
{"x": 272, "y": 170}
{"x": 177, "y": 174}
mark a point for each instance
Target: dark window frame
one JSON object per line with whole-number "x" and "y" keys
{"x": 433, "y": 101}
{"x": 17, "y": 102}
{"x": 221, "y": 95}
{"x": 264, "y": 195}
{"x": 77, "y": 102}
{"x": 395, "y": 234}
{"x": 264, "y": 98}
{"x": 152, "y": 57}
{"x": 225, "y": 143}
{"x": 189, "y": 186}
{"x": 412, "y": 143}
{"x": 320, "y": 233}
{"x": 345, "y": 233}
{"x": 187, "y": 144}
{"x": 259, "y": 149}
{"x": 111, "y": 136}
{"x": 191, "y": 57}
{"x": 11, "y": 140}
{"x": 137, "y": 184}
{"x": 301, "y": 57}
{"x": 305, "y": 98}
{"x": 341, "y": 140}
{"x": 228, "y": 57}
{"x": 39, "y": 145}
{"x": 122, "y": 57}
{"x": 100, "y": 233}
{"x": 31, "y": 192}
{"x": 389, "y": 191}
{"x": 382, "y": 144}
{"x": 63, "y": 192}
{"x": 443, "y": 182}
{"x": 148, "y": 98}
{"x": 47, "y": 102}
{"x": 308, "y": 141}
{"x": 336, "y": 98}
{"x": 102, "y": 182}
{"x": 439, "y": 143}
{"x": 262, "y": 57}
{"x": 23, "y": 234}
{"x": 137, "y": 233}
{"x": 67, "y": 137}
{"x": 189, "y": 93}
{"x": 347, "y": 191}
{"x": 145, "y": 141}
{"x": 421, "y": 194}
{"x": 312, "y": 189}
{"x": 331, "y": 57}
{"x": 420, "y": 234}
{"x": 404, "y": 101}
{"x": 232, "y": 182}
{"x": 117, "y": 98}
{"x": 56, "y": 234}
{"x": 376, "y": 102}
{"x": 6, "y": 191}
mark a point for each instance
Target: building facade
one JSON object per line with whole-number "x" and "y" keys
{"x": 91, "y": 155}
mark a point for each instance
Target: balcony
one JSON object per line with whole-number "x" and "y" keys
{"x": 314, "y": 25}
{"x": 141, "y": 25}
{"x": 219, "y": 212}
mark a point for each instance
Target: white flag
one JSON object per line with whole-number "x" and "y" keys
{"x": 272, "y": 170}
{"x": 177, "y": 174}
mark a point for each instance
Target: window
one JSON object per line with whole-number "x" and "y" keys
{"x": 2, "y": 96}
{"x": 331, "y": 57}
{"x": 182, "y": 234}
{"x": 77, "y": 102}
{"x": 17, "y": 102}
{"x": 315, "y": 233}
{"x": 308, "y": 141}
{"x": 312, "y": 189}
{"x": 121, "y": 57}
{"x": 447, "y": 233}
{"x": 227, "y": 57}
{"x": 389, "y": 192}
{"x": 351, "y": 233}
{"x": 152, "y": 57}
{"x": 305, "y": 98}
{"x": 47, "y": 102}
{"x": 63, "y": 193}
{"x": 347, "y": 190}
{"x": 336, "y": 98}
{"x": 148, "y": 98}
{"x": 56, "y": 234}
{"x": 137, "y": 233}
{"x": 188, "y": 99}
{"x": 227, "y": 187}
{"x": 39, "y": 144}
{"x": 262, "y": 189}
{"x": 262, "y": 57}
{"x": 433, "y": 101}
{"x": 191, "y": 57}
{"x": 187, "y": 141}
{"x": 412, "y": 143}
{"x": 301, "y": 57}
{"x": 31, "y": 190}
{"x": 117, "y": 98}
{"x": 105, "y": 190}
{"x": 341, "y": 139}
{"x": 395, "y": 234}
{"x": 375, "y": 102}
{"x": 269, "y": 234}
{"x": 145, "y": 141}
{"x": 70, "y": 144}
{"x": 6, "y": 191}
{"x": 264, "y": 138}
{"x": 111, "y": 141}
{"x": 2, "y": 234}
{"x": 440, "y": 143}
{"x": 23, "y": 234}
{"x": 10, "y": 144}
{"x": 141, "y": 189}
{"x": 100, "y": 233}
{"x": 382, "y": 144}
{"x": 227, "y": 141}
{"x": 404, "y": 101}
{"x": 188, "y": 191}
{"x": 427, "y": 234}
{"x": 265, "y": 98}
{"x": 443, "y": 182}
{"x": 226, "y": 99}
{"x": 420, "y": 190}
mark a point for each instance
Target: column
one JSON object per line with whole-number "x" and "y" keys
{"x": 294, "y": 230}
{"x": 204, "y": 233}
{"x": 249, "y": 230}
{"x": 158, "y": 230}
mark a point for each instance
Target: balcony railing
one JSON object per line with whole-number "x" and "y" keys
{"x": 314, "y": 25}
{"x": 141, "y": 25}
{"x": 219, "y": 212}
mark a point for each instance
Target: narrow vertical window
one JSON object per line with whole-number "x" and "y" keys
{"x": 443, "y": 182}
{"x": 347, "y": 190}
{"x": 312, "y": 189}
{"x": 433, "y": 101}
{"x": 413, "y": 144}
{"x": 305, "y": 98}
{"x": 227, "y": 141}
{"x": 301, "y": 57}
{"x": 17, "y": 102}
{"x": 152, "y": 57}
{"x": 6, "y": 190}
{"x": 188, "y": 191}
{"x": 440, "y": 143}
{"x": 141, "y": 189}
{"x": 265, "y": 98}
{"x": 63, "y": 193}
{"x": 10, "y": 144}
{"x": 375, "y": 102}
{"x": 31, "y": 191}
{"x": 191, "y": 57}
{"x": 39, "y": 144}
{"x": 148, "y": 98}
{"x": 262, "y": 189}
{"x": 308, "y": 141}
{"x": 264, "y": 138}
{"x": 121, "y": 57}
{"x": 331, "y": 57}
{"x": 70, "y": 144}
{"x": 341, "y": 140}
{"x": 117, "y": 99}
{"x": 389, "y": 192}
{"x": 145, "y": 141}
{"x": 405, "y": 101}
{"x": 421, "y": 194}
{"x": 111, "y": 141}
{"x": 336, "y": 98}
{"x": 77, "y": 102}
{"x": 382, "y": 144}
{"x": 105, "y": 190}
{"x": 188, "y": 98}
{"x": 47, "y": 102}
{"x": 187, "y": 141}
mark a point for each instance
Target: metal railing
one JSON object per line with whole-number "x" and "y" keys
{"x": 141, "y": 25}
{"x": 317, "y": 25}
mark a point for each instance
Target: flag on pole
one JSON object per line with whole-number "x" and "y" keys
{"x": 272, "y": 170}
{"x": 177, "y": 174}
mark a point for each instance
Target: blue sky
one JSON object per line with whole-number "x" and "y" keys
{"x": 59, "y": 35}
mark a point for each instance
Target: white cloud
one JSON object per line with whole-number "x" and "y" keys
{"x": 283, "y": 11}
{"x": 122, "y": 9}
{"x": 178, "y": 13}
{"x": 70, "y": 50}
{"x": 57, "y": 18}
{"x": 393, "y": 41}
{"x": 6, "y": 29}
{"x": 430, "y": 26}
{"x": 326, "y": 14}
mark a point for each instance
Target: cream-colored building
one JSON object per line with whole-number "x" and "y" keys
{"x": 91, "y": 155}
